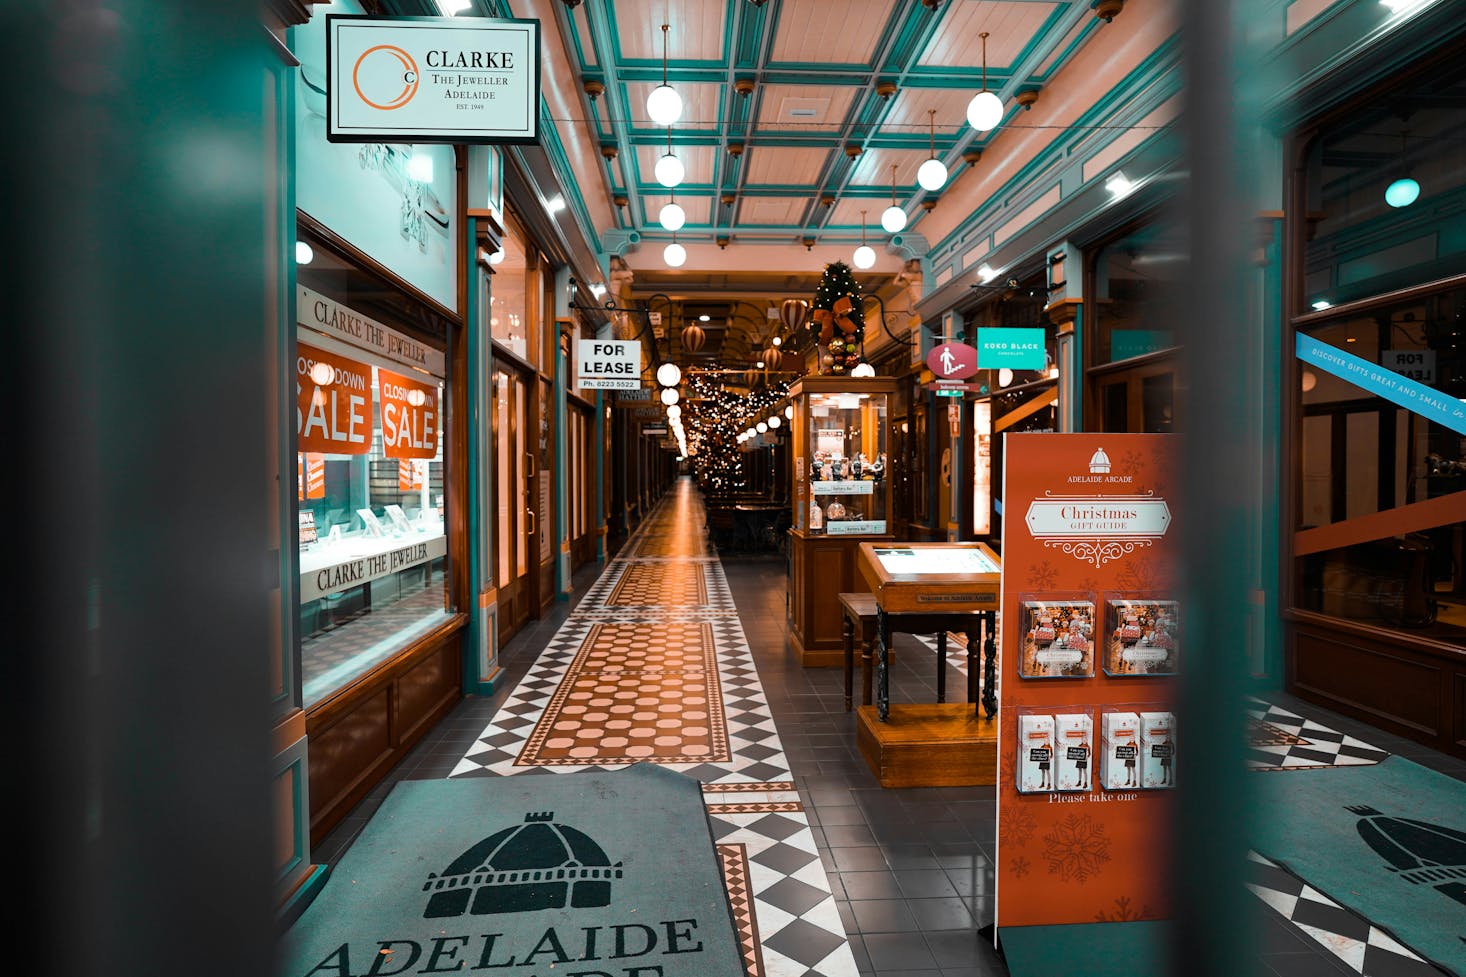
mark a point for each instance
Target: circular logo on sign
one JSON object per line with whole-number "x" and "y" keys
{"x": 386, "y": 66}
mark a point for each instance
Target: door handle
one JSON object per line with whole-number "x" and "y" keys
{"x": 534, "y": 469}
{"x": 534, "y": 522}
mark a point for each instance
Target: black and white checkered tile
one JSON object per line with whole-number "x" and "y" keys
{"x": 1361, "y": 945}
{"x": 798, "y": 924}
{"x": 1283, "y": 740}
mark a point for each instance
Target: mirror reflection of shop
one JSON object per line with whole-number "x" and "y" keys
{"x": 370, "y": 496}
{"x": 1134, "y": 281}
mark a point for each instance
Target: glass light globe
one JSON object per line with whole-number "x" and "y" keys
{"x": 789, "y": 412}
{"x": 669, "y": 170}
{"x": 932, "y": 175}
{"x": 674, "y": 254}
{"x": 1005, "y": 377}
{"x": 669, "y": 375}
{"x": 420, "y": 167}
{"x": 775, "y": 421}
{"x": 669, "y": 396}
{"x": 863, "y": 370}
{"x": 1402, "y": 193}
{"x": 672, "y": 217}
{"x": 760, "y": 427}
{"x": 304, "y": 253}
{"x": 750, "y": 432}
{"x": 865, "y": 256}
{"x": 985, "y": 111}
{"x": 496, "y": 257}
{"x": 664, "y": 105}
{"x": 674, "y": 412}
{"x": 777, "y": 341}
{"x": 322, "y": 374}
{"x": 893, "y": 219}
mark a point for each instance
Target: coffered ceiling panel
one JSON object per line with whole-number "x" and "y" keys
{"x": 909, "y": 109}
{"x": 783, "y": 165}
{"x": 764, "y": 211}
{"x": 804, "y": 108}
{"x": 873, "y": 169}
{"x": 1011, "y": 26}
{"x": 696, "y": 160}
{"x": 699, "y": 209}
{"x": 695, "y": 29}
{"x": 821, "y": 32}
{"x": 701, "y": 104}
{"x": 846, "y": 213}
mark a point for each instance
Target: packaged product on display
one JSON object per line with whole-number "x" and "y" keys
{"x": 816, "y": 516}
{"x": 1074, "y": 750}
{"x": 1058, "y": 639}
{"x": 1035, "y": 753}
{"x": 1157, "y": 749}
{"x": 307, "y": 528}
{"x": 1120, "y": 765}
{"x": 1143, "y": 637}
{"x": 371, "y": 522}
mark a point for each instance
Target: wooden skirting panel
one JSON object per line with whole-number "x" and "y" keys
{"x": 1408, "y": 688}
{"x": 356, "y": 737}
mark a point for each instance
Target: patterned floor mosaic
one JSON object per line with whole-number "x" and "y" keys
{"x": 1362, "y": 946}
{"x": 653, "y": 665}
{"x": 1283, "y": 740}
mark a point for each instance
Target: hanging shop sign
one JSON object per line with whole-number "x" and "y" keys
{"x": 333, "y": 403}
{"x": 640, "y": 394}
{"x": 1091, "y": 645}
{"x": 410, "y": 416}
{"x": 1016, "y": 349}
{"x": 1429, "y": 403}
{"x": 432, "y": 79}
{"x": 315, "y": 311}
{"x": 608, "y": 364}
{"x": 952, "y": 361}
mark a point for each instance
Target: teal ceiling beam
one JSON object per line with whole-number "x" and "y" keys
{"x": 757, "y": 26}
{"x": 616, "y": 107}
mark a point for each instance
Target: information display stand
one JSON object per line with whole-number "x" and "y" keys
{"x": 1091, "y": 646}
{"x": 932, "y": 588}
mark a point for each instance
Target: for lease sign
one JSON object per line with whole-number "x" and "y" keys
{"x": 608, "y": 364}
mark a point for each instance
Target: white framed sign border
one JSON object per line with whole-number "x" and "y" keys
{"x": 404, "y": 136}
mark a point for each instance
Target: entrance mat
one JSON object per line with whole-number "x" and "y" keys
{"x": 1136, "y": 949}
{"x": 594, "y": 874}
{"x": 635, "y": 693}
{"x": 1387, "y": 841}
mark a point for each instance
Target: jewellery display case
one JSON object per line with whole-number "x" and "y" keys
{"x": 842, "y": 497}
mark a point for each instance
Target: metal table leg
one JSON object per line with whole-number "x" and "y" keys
{"x": 941, "y": 666}
{"x": 847, "y": 633}
{"x": 990, "y": 664}
{"x": 883, "y": 660}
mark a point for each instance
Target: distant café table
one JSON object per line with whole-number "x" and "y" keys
{"x": 753, "y": 519}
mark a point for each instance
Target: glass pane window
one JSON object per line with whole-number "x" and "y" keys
{"x": 846, "y": 458}
{"x": 1136, "y": 279}
{"x": 370, "y": 499}
{"x": 509, "y": 313}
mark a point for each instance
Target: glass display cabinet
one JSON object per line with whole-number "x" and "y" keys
{"x": 842, "y": 497}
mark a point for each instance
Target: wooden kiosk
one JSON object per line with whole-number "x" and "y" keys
{"x": 932, "y": 588}
{"x": 841, "y": 498}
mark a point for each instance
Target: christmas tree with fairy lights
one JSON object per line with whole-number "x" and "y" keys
{"x": 838, "y": 320}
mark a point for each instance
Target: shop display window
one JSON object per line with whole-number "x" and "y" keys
{"x": 845, "y": 457}
{"x": 370, "y": 503}
{"x": 510, "y": 316}
{"x": 1382, "y": 486}
{"x": 1136, "y": 280}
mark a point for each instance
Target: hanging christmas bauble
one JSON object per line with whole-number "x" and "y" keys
{"x": 771, "y": 357}
{"x": 693, "y": 337}
{"x": 792, "y": 313}
{"x": 827, "y": 359}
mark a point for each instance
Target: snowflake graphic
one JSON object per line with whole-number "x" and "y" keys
{"x": 1124, "y": 912}
{"x": 1076, "y": 849}
{"x": 1131, "y": 463}
{"x": 1019, "y": 867}
{"x": 1089, "y": 585}
{"x": 1019, "y": 825}
{"x": 1139, "y": 574}
{"x": 1042, "y": 576}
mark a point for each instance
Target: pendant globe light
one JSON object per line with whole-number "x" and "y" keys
{"x": 933, "y": 173}
{"x": 672, "y": 216}
{"x": 664, "y": 105}
{"x": 893, "y": 218}
{"x": 1406, "y": 190}
{"x": 985, "y": 110}
{"x": 669, "y": 171}
{"x": 674, "y": 254}
{"x": 864, "y": 256}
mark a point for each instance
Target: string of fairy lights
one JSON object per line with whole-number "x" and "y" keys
{"x": 719, "y": 420}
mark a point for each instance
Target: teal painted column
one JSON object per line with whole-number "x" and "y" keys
{"x": 1066, "y": 311}
{"x": 1265, "y": 626}
{"x": 600, "y": 442}
{"x": 562, "y": 453}
{"x": 480, "y": 653}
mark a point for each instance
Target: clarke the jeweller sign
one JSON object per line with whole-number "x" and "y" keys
{"x": 432, "y": 79}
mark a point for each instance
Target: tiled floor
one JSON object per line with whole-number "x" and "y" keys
{"x": 907, "y": 872}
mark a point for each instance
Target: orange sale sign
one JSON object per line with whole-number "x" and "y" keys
{"x": 410, "y": 416}
{"x": 333, "y": 403}
{"x": 1090, "y": 648}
